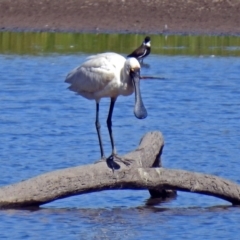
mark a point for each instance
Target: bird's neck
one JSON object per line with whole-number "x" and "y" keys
{"x": 125, "y": 77}
{"x": 148, "y": 44}
{"x": 126, "y": 84}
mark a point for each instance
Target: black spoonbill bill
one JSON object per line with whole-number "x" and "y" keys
{"x": 108, "y": 75}
{"x": 142, "y": 51}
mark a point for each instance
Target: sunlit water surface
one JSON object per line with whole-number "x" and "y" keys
{"x": 44, "y": 126}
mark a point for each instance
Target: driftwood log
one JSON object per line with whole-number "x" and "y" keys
{"x": 144, "y": 172}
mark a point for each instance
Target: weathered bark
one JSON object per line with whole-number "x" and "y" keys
{"x": 77, "y": 180}
{"x": 144, "y": 172}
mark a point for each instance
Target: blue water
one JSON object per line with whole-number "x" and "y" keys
{"x": 44, "y": 127}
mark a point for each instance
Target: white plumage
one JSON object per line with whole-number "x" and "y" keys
{"x": 102, "y": 75}
{"x": 107, "y": 75}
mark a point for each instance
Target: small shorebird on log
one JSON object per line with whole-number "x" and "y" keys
{"x": 142, "y": 51}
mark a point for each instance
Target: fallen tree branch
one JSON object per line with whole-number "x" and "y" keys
{"x": 77, "y": 180}
{"x": 186, "y": 181}
{"x": 143, "y": 173}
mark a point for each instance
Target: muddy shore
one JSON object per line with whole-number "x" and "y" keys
{"x": 122, "y": 16}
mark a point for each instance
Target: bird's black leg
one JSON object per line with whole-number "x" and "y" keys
{"x": 98, "y": 127}
{"x": 111, "y": 160}
{"x": 109, "y": 125}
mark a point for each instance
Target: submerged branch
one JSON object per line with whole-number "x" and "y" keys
{"x": 152, "y": 77}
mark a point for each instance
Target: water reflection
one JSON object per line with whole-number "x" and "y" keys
{"x": 123, "y": 223}
{"x": 65, "y": 43}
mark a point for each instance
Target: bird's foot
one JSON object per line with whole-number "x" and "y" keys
{"x": 114, "y": 158}
{"x": 126, "y": 161}
{"x": 111, "y": 163}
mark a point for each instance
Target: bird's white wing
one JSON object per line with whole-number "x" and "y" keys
{"x": 94, "y": 74}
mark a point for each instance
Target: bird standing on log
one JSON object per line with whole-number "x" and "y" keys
{"x": 108, "y": 75}
{"x": 142, "y": 51}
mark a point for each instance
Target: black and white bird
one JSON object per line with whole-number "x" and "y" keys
{"x": 142, "y": 51}
{"x": 108, "y": 75}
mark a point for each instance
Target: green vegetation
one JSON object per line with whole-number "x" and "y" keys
{"x": 71, "y": 43}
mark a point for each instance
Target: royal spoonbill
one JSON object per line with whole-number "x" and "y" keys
{"x": 108, "y": 75}
{"x": 142, "y": 51}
